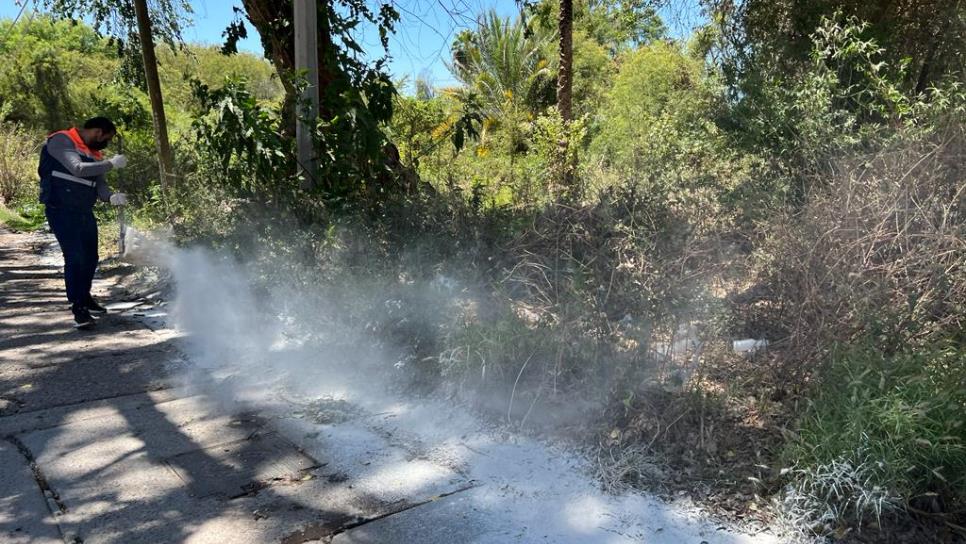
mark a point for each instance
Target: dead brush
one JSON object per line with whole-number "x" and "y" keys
{"x": 879, "y": 247}
{"x": 620, "y": 469}
{"x": 18, "y": 149}
{"x": 602, "y": 277}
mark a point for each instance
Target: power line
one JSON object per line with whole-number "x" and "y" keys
{"x": 14, "y": 23}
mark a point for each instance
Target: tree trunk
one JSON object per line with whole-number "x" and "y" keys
{"x": 272, "y": 20}
{"x": 565, "y": 73}
{"x": 565, "y": 83}
{"x": 165, "y": 157}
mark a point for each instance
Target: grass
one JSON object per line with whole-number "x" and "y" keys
{"x": 22, "y": 219}
{"x": 883, "y": 431}
{"x": 30, "y": 217}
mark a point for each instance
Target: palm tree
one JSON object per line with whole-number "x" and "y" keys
{"x": 565, "y": 73}
{"x": 505, "y": 63}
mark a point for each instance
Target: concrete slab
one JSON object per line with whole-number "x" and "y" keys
{"x": 132, "y": 475}
{"x": 24, "y": 516}
{"x": 130, "y": 471}
{"x": 444, "y": 521}
{"x": 22, "y": 422}
{"x": 370, "y": 462}
{"x": 71, "y": 367}
{"x": 225, "y": 466}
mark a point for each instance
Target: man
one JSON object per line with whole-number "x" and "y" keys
{"x": 72, "y": 179}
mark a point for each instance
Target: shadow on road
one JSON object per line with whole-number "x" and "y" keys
{"x": 125, "y": 457}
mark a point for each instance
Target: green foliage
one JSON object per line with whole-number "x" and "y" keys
{"x": 350, "y": 143}
{"x": 419, "y": 126}
{"x": 117, "y": 20}
{"x": 56, "y": 73}
{"x": 24, "y": 219}
{"x": 206, "y": 64}
{"x": 617, "y": 26}
{"x": 557, "y": 146}
{"x": 594, "y": 72}
{"x": 922, "y": 43}
{"x": 18, "y": 163}
{"x": 621, "y": 25}
{"x": 658, "y": 90}
{"x": 657, "y": 131}
{"x": 899, "y": 416}
{"x": 46, "y": 77}
{"x": 240, "y": 146}
{"x": 355, "y": 99}
{"x": 845, "y": 97}
{"x": 507, "y": 64}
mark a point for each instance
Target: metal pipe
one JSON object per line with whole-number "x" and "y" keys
{"x": 120, "y": 209}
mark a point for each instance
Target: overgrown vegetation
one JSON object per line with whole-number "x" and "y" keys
{"x": 790, "y": 172}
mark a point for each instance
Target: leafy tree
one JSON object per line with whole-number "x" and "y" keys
{"x": 45, "y": 77}
{"x": 618, "y": 26}
{"x": 209, "y": 66}
{"x": 769, "y": 38}
{"x": 594, "y": 71}
{"x": 419, "y": 124}
{"x": 245, "y": 138}
{"x": 621, "y": 25}
{"x": 355, "y": 96}
{"x": 658, "y": 130}
{"x": 117, "y": 19}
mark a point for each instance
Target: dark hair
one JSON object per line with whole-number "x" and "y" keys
{"x": 102, "y": 123}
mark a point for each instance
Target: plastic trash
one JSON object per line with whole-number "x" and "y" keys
{"x": 749, "y": 345}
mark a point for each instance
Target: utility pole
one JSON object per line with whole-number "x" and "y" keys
{"x": 307, "y": 62}
{"x": 146, "y": 37}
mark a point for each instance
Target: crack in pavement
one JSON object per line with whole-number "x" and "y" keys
{"x": 51, "y": 498}
{"x": 318, "y": 531}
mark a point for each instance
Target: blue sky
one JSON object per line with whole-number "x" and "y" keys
{"x": 420, "y": 45}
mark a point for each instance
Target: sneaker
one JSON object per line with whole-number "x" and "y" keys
{"x": 95, "y": 308}
{"x": 82, "y": 317}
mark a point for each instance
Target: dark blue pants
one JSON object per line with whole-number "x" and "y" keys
{"x": 76, "y": 232}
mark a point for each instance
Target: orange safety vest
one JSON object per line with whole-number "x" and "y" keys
{"x": 79, "y": 143}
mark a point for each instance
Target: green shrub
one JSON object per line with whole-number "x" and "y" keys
{"x": 18, "y": 164}
{"x": 22, "y": 218}
{"x": 882, "y": 431}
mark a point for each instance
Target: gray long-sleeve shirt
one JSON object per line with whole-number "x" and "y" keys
{"x": 62, "y": 149}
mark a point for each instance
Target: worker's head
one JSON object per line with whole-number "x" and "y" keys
{"x": 97, "y": 132}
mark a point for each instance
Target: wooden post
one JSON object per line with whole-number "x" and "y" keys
{"x": 305, "y": 17}
{"x": 145, "y": 36}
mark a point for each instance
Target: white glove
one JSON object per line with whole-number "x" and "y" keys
{"x": 118, "y": 161}
{"x": 119, "y": 199}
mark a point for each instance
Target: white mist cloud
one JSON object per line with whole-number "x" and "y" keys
{"x": 292, "y": 354}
